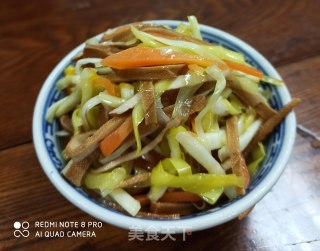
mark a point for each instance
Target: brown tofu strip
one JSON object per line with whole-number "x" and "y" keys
{"x": 74, "y": 171}
{"x": 123, "y": 33}
{"x": 135, "y": 180}
{"x": 79, "y": 152}
{"x": 268, "y": 126}
{"x": 148, "y": 102}
{"x": 256, "y": 102}
{"x": 174, "y": 35}
{"x": 172, "y": 208}
{"x": 198, "y": 103}
{"x": 147, "y": 73}
{"x": 66, "y": 123}
{"x": 157, "y": 216}
{"x": 98, "y": 51}
{"x": 238, "y": 163}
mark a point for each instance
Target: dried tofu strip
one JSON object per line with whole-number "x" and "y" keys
{"x": 66, "y": 123}
{"x": 174, "y": 35}
{"x": 238, "y": 163}
{"x": 157, "y": 216}
{"x": 148, "y": 101}
{"x": 147, "y": 73}
{"x": 172, "y": 208}
{"x": 98, "y": 51}
{"x": 135, "y": 180}
{"x": 206, "y": 87}
{"x": 123, "y": 33}
{"x": 257, "y": 102}
{"x": 74, "y": 171}
{"x": 90, "y": 143}
{"x": 169, "y": 97}
{"x": 198, "y": 103}
{"x": 268, "y": 126}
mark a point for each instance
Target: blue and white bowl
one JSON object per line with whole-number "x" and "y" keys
{"x": 279, "y": 147}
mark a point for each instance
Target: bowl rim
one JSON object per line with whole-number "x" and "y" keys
{"x": 196, "y": 223}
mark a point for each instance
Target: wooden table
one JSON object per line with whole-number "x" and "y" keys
{"x": 35, "y": 35}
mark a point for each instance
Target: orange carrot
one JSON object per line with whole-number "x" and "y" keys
{"x": 115, "y": 139}
{"x": 144, "y": 56}
{"x": 244, "y": 68}
{"x": 180, "y": 196}
{"x": 110, "y": 87}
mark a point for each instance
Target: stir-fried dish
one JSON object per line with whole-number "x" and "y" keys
{"x": 160, "y": 123}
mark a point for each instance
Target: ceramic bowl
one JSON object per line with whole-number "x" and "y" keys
{"x": 279, "y": 147}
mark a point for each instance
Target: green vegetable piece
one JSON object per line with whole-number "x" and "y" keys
{"x": 257, "y": 157}
{"x": 196, "y": 183}
{"x": 137, "y": 118}
{"x": 105, "y": 182}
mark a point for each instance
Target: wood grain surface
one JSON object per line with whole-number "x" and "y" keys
{"x": 35, "y": 35}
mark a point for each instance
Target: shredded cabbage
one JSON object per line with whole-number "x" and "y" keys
{"x": 198, "y": 183}
{"x": 175, "y": 151}
{"x": 210, "y": 122}
{"x": 137, "y": 118}
{"x": 105, "y": 182}
{"x": 126, "y": 90}
{"x": 110, "y": 100}
{"x": 199, "y": 152}
{"x": 213, "y": 140}
{"x": 257, "y": 157}
{"x": 126, "y": 201}
{"x": 88, "y": 114}
{"x": 183, "y": 102}
{"x": 76, "y": 121}
{"x": 127, "y": 105}
{"x": 194, "y": 26}
{"x": 271, "y": 80}
{"x": 63, "y": 106}
{"x": 215, "y": 73}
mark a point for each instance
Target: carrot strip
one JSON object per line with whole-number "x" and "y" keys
{"x": 110, "y": 87}
{"x": 144, "y": 56}
{"x": 180, "y": 196}
{"x": 115, "y": 139}
{"x": 244, "y": 68}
